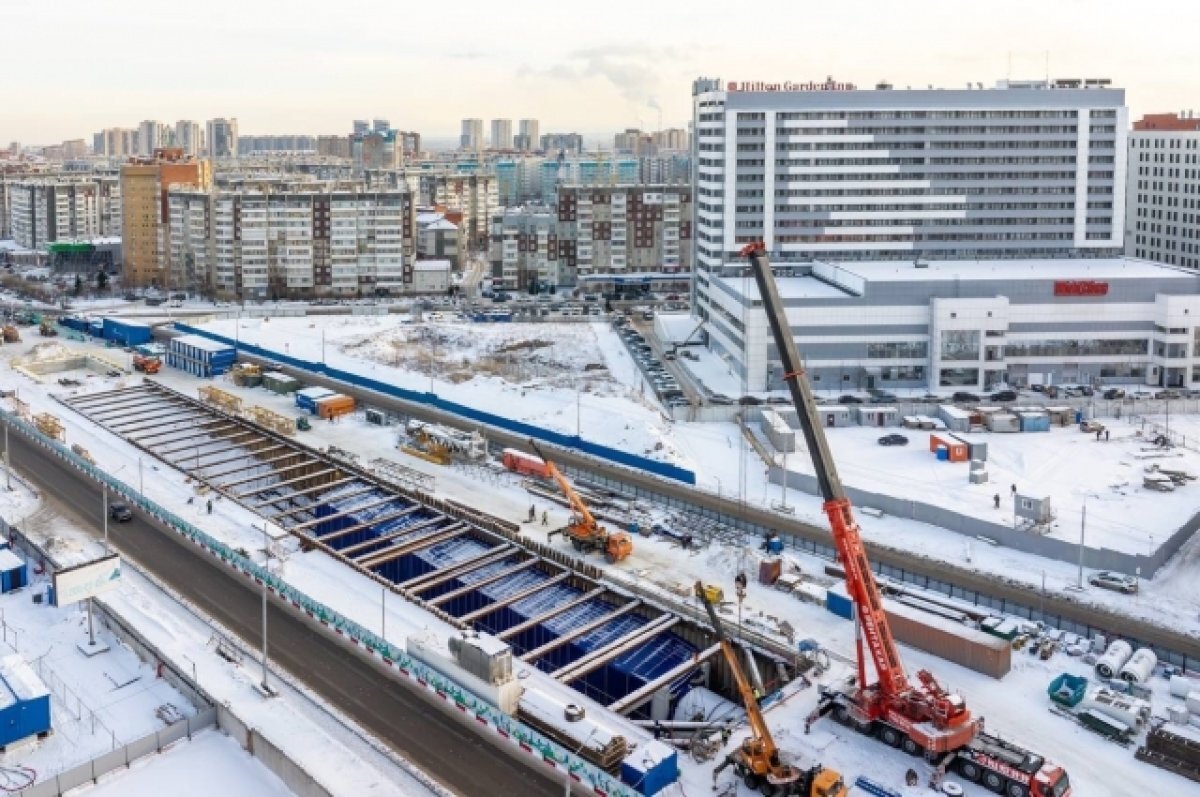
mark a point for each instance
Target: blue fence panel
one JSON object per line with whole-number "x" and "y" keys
{"x": 663, "y": 469}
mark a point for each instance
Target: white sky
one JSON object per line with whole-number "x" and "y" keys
{"x": 71, "y": 67}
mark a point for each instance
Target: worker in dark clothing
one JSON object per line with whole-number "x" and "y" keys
{"x": 996, "y": 498}
{"x": 1106, "y": 435}
{"x": 210, "y": 506}
{"x": 1014, "y": 490}
{"x": 1098, "y": 432}
{"x": 545, "y": 518}
{"x": 532, "y": 513}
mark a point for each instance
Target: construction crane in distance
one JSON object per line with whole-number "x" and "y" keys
{"x": 756, "y": 761}
{"x": 585, "y": 533}
{"x": 924, "y": 719}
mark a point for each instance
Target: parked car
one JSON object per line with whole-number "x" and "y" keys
{"x": 1004, "y": 395}
{"x": 1113, "y": 393}
{"x": 120, "y": 512}
{"x": 884, "y": 398}
{"x": 1109, "y": 579}
{"x": 848, "y": 399}
{"x": 964, "y": 397}
{"x": 1170, "y": 393}
{"x": 893, "y": 440}
{"x": 749, "y": 400}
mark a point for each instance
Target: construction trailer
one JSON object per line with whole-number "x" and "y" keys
{"x": 24, "y": 702}
{"x": 125, "y": 332}
{"x": 832, "y": 415}
{"x": 199, "y": 356}
{"x": 1033, "y": 421}
{"x": 281, "y": 383}
{"x": 955, "y": 418}
{"x": 1002, "y": 422}
{"x": 948, "y": 448}
{"x": 871, "y": 415}
{"x": 335, "y": 406}
{"x": 14, "y": 573}
{"x": 778, "y": 432}
{"x": 307, "y": 398}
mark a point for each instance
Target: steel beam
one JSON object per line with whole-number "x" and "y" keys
{"x": 257, "y": 463}
{"x": 277, "y": 485}
{"x": 418, "y": 584}
{"x": 483, "y": 582}
{"x": 387, "y": 499}
{"x": 191, "y": 436}
{"x": 636, "y": 698}
{"x": 142, "y": 438}
{"x": 94, "y": 397}
{"x": 598, "y": 658}
{"x": 296, "y": 493}
{"x": 121, "y": 403}
{"x": 368, "y": 488}
{"x": 383, "y": 557}
{"x": 217, "y": 438}
{"x": 349, "y": 550}
{"x": 508, "y": 633}
{"x": 555, "y": 644}
{"x": 308, "y": 463}
{"x": 471, "y": 617}
{"x": 143, "y": 418}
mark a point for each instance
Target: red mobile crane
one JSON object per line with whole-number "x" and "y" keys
{"x": 923, "y": 718}
{"x": 585, "y": 533}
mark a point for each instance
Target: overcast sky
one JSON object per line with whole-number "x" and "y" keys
{"x": 71, "y": 67}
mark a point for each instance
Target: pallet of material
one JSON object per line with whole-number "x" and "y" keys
{"x": 1171, "y": 752}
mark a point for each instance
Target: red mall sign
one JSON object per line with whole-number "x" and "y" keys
{"x": 758, "y": 85}
{"x": 1080, "y": 288}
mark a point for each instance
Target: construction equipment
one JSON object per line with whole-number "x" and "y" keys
{"x": 11, "y": 335}
{"x": 756, "y": 761}
{"x": 147, "y": 365}
{"x": 302, "y": 423}
{"x": 46, "y": 328}
{"x": 425, "y": 445}
{"x": 923, "y": 718}
{"x": 583, "y": 530}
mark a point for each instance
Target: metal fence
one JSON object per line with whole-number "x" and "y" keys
{"x": 483, "y": 712}
{"x": 573, "y": 442}
{"x": 123, "y": 756}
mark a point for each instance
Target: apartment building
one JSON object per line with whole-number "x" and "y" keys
{"x": 475, "y": 196}
{"x": 42, "y": 210}
{"x": 376, "y": 149}
{"x": 554, "y": 143}
{"x": 116, "y": 142}
{"x": 596, "y": 237}
{"x": 295, "y": 244}
{"x": 502, "y": 134}
{"x": 189, "y": 137}
{"x": 472, "y": 135}
{"x": 154, "y": 135}
{"x": 144, "y": 222}
{"x": 528, "y": 136}
{"x": 221, "y": 138}
{"x": 1162, "y": 221}
{"x": 830, "y": 171}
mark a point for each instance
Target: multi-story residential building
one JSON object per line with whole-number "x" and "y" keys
{"x": 952, "y": 325}
{"x": 297, "y": 144}
{"x": 42, "y": 210}
{"x": 473, "y": 195}
{"x": 116, "y": 142}
{"x": 381, "y": 125}
{"x": 360, "y": 126}
{"x": 376, "y": 150}
{"x": 502, "y": 135}
{"x": 1162, "y": 216}
{"x": 596, "y": 237}
{"x": 472, "y": 135}
{"x": 333, "y": 146}
{"x": 519, "y": 179}
{"x": 188, "y": 137}
{"x": 311, "y": 241}
{"x": 221, "y": 138}
{"x": 633, "y": 142}
{"x": 568, "y": 143}
{"x": 828, "y": 171}
{"x": 586, "y": 169}
{"x": 153, "y": 135}
{"x": 528, "y": 136}
{"x": 410, "y": 144}
{"x": 438, "y": 237}
{"x": 667, "y": 167}
{"x": 144, "y": 224}
{"x": 671, "y": 139}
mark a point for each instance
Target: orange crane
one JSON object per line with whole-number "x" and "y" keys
{"x": 585, "y": 533}
{"x": 756, "y": 761}
{"x": 924, "y": 718}
{"x": 149, "y": 365}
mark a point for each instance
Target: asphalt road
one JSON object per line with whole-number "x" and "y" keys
{"x": 458, "y": 758}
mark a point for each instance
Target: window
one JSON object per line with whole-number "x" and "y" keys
{"x": 960, "y": 344}
{"x": 958, "y": 377}
{"x": 897, "y": 350}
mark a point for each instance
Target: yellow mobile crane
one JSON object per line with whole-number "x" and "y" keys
{"x": 756, "y": 761}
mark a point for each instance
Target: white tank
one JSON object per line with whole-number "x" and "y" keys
{"x": 1130, "y": 710}
{"x": 1193, "y": 702}
{"x": 1181, "y": 685}
{"x": 1178, "y": 714}
{"x": 1118, "y": 653}
{"x": 1140, "y": 667}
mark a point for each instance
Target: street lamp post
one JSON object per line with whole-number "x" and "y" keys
{"x": 1082, "y": 532}
{"x": 266, "y": 687}
{"x": 7, "y": 461}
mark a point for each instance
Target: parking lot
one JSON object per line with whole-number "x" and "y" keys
{"x": 665, "y": 385}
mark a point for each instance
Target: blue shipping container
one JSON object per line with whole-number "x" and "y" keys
{"x": 126, "y": 333}
{"x": 26, "y": 709}
{"x": 654, "y": 768}
{"x": 14, "y": 573}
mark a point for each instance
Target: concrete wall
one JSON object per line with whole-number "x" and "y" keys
{"x": 1048, "y": 547}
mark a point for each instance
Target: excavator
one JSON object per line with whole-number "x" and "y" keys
{"x": 924, "y": 719}
{"x": 584, "y": 532}
{"x": 756, "y": 761}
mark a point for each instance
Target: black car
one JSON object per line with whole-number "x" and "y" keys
{"x": 1004, "y": 395}
{"x": 893, "y": 440}
{"x": 120, "y": 512}
{"x": 964, "y": 396}
{"x": 848, "y": 399}
{"x": 1114, "y": 393}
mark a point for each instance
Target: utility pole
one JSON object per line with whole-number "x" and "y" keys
{"x": 104, "y": 504}
{"x": 7, "y": 462}
{"x": 1082, "y": 532}
{"x": 266, "y": 687}
{"x": 383, "y": 613}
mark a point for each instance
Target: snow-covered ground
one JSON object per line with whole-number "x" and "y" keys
{"x": 1015, "y": 707}
{"x": 211, "y": 763}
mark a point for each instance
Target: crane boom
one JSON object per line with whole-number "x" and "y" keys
{"x": 758, "y": 725}
{"x": 577, "y": 504}
{"x": 894, "y": 695}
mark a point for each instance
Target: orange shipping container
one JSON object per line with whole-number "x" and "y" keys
{"x": 956, "y": 448}
{"x": 334, "y": 406}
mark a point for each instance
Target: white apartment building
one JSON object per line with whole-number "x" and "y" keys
{"x": 44, "y": 210}
{"x": 528, "y": 136}
{"x": 472, "y": 135}
{"x": 832, "y": 172}
{"x": 502, "y": 134}
{"x": 1162, "y": 219}
{"x": 188, "y": 137}
{"x": 293, "y": 243}
{"x": 221, "y": 138}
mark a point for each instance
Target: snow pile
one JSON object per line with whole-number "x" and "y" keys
{"x": 49, "y": 350}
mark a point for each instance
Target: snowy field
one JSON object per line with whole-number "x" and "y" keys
{"x": 211, "y": 763}
{"x": 1015, "y": 707}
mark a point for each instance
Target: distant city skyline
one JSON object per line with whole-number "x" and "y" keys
{"x": 286, "y": 68}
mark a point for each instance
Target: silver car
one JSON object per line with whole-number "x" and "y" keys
{"x": 1119, "y": 582}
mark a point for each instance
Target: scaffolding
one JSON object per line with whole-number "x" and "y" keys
{"x": 219, "y": 398}
{"x": 271, "y": 420}
{"x": 50, "y": 426}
